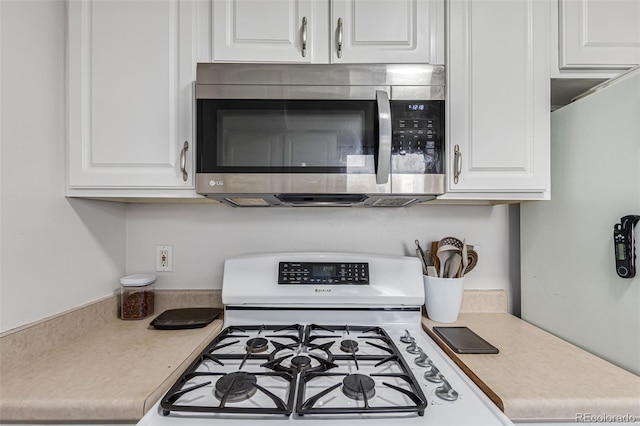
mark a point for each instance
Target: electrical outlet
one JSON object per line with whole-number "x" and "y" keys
{"x": 164, "y": 258}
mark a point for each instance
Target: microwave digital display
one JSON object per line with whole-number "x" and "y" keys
{"x": 415, "y": 107}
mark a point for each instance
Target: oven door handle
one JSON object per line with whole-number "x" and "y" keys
{"x": 384, "y": 137}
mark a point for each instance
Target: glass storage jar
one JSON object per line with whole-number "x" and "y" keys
{"x": 136, "y": 296}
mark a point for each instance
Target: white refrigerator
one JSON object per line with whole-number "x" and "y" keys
{"x": 569, "y": 284}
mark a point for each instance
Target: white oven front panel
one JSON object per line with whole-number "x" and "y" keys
{"x": 253, "y": 280}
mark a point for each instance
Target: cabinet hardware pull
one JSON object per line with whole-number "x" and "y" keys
{"x": 458, "y": 163}
{"x": 304, "y": 36}
{"x": 183, "y": 160}
{"x": 339, "y": 37}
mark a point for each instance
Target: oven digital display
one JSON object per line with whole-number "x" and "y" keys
{"x": 324, "y": 270}
{"x": 324, "y": 273}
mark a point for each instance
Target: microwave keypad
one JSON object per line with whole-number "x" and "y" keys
{"x": 417, "y": 144}
{"x": 413, "y": 136}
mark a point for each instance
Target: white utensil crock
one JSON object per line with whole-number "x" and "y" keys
{"x": 443, "y": 297}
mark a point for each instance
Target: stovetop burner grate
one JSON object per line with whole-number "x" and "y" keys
{"x": 316, "y": 369}
{"x": 177, "y": 399}
{"x": 360, "y": 388}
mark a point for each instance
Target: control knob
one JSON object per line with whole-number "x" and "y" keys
{"x": 406, "y": 337}
{"x": 413, "y": 348}
{"x": 433, "y": 375}
{"x": 445, "y": 391}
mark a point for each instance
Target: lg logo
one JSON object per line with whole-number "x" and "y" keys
{"x": 216, "y": 183}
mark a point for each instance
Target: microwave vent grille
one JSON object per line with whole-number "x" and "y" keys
{"x": 247, "y": 202}
{"x": 393, "y": 202}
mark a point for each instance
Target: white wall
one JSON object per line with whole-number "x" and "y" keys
{"x": 203, "y": 236}
{"x": 55, "y": 253}
{"x": 58, "y": 253}
{"x": 569, "y": 281}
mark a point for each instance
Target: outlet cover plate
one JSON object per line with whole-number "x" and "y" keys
{"x": 164, "y": 258}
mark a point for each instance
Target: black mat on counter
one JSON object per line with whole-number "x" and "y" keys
{"x": 180, "y": 319}
{"x": 464, "y": 341}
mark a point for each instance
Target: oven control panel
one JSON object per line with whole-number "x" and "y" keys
{"x": 324, "y": 273}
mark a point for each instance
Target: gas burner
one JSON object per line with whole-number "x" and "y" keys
{"x": 257, "y": 344}
{"x": 300, "y": 362}
{"x": 358, "y": 387}
{"x": 349, "y": 346}
{"x": 235, "y": 387}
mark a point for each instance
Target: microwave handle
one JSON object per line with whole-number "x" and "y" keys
{"x": 384, "y": 137}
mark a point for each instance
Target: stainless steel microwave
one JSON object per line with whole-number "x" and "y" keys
{"x": 320, "y": 135}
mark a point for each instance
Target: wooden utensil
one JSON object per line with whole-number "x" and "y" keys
{"x": 465, "y": 259}
{"x": 473, "y": 260}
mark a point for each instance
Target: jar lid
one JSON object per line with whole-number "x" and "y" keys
{"x": 137, "y": 280}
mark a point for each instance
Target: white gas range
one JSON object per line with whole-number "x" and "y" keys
{"x": 311, "y": 337}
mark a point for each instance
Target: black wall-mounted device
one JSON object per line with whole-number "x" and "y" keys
{"x": 624, "y": 246}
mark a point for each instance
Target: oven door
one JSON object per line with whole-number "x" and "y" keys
{"x": 294, "y": 146}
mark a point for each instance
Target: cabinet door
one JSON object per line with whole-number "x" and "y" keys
{"x": 130, "y": 94}
{"x": 262, "y": 30}
{"x": 387, "y": 31}
{"x": 498, "y": 97}
{"x": 599, "y": 33}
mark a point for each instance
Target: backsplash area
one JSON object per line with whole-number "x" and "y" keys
{"x": 203, "y": 236}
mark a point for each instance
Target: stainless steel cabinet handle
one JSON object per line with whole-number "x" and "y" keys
{"x": 384, "y": 137}
{"x": 458, "y": 163}
{"x": 304, "y": 36}
{"x": 339, "y": 37}
{"x": 183, "y": 161}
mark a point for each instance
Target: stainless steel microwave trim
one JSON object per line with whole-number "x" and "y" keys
{"x": 417, "y": 93}
{"x": 213, "y": 184}
{"x": 384, "y": 137}
{"x": 381, "y": 83}
{"x": 320, "y": 74}
{"x": 221, "y": 185}
{"x": 323, "y": 200}
{"x": 417, "y": 184}
{"x": 220, "y": 91}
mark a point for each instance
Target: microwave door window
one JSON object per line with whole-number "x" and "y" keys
{"x": 287, "y": 137}
{"x": 250, "y": 139}
{"x": 318, "y": 139}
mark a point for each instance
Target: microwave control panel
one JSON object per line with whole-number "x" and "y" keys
{"x": 417, "y": 144}
{"x": 323, "y": 273}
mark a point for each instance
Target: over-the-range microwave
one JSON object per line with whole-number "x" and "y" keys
{"x": 320, "y": 135}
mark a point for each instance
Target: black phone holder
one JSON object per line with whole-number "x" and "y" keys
{"x": 624, "y": 246}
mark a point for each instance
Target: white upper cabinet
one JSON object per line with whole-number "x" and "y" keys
{"x": 262, "y": 30}
{"x": 598, "y": 34}
{"x": 498, "y": 100}
{"x": 329, "y": 31}
{"x": 393, "y": 31}
{"x": 131, "y": 67}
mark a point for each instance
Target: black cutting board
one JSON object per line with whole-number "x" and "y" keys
{"x": 181, "y": 319}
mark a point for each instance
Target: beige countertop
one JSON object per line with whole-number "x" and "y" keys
{"x": 115, "y": 372}
{"x": 89, "y": 366}
{"x": 537, "y": 376}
